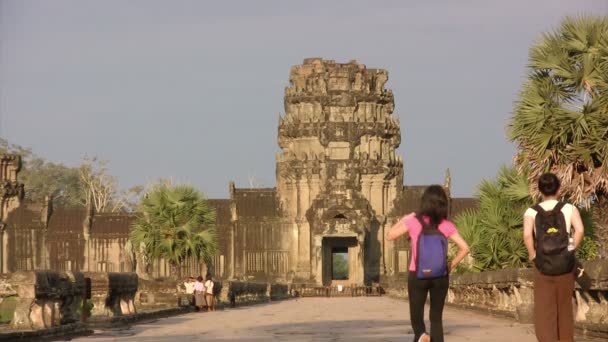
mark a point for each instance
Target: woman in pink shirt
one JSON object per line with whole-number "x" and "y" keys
{"x": 433, "y": 214}
{"x": 199, "y": 293}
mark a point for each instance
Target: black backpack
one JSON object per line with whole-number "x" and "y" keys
{"x": 551, "y": 241}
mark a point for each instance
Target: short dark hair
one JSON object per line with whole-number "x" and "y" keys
{"x": 434, "y": 204}
{"x": 199, "y": 278}
{"x": 548, "y": 184}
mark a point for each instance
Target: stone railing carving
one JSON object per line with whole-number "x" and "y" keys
{"x": 242, "y": 293}
{"x": 159, "y": 293}
{"x": 113, "y": 294}
{"x": 239, "y": 292}
{"x": 510, "y": 292}
{"x": 507, "y": 292}
{"x": 278, "y": 291}
{"x": 46, "y": 299}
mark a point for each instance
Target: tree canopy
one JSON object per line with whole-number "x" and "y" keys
{"x": 174, "y": 223}
{"x": 560, "y": 121}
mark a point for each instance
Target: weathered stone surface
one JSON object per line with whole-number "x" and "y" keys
{"x": 510, "y": 292}
{"x": 113, "y": 294}
{"x": 237, "y": 293}
{"x": 161, "y": 293}
{"x": 46, "y": 299}
{"x": 279, "y": 291}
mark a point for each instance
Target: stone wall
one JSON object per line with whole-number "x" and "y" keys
{"x": 506, "y": 292}
{"x": 158, "y": 293}
{"x": 509, "y": 292}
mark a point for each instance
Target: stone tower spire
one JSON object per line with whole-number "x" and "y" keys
{"x": 338, "y": 134}
{"x": 338, "y": 173}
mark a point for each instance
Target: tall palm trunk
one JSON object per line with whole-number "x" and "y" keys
{"x": 142, "y": 266}
{"x": 600, "y": 221}
{"x": 176, "y": 270}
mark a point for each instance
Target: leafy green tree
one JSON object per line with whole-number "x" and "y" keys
{"x": 560, "y": 121}
{"x": 340, "y": 266}
{"x": 174, "y": 223}
{"x": 494, "y": 230}
{"x": 44, "y": 179}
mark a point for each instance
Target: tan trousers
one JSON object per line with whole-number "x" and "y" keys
{"x": 553, "y": 315}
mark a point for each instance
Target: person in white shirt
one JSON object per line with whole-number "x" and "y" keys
{"x": 189, "y": 286}
{"x": 209, "y": 297}
{"x": 553, "y": 315}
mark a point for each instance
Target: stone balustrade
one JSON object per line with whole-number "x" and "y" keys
{"x": 506, "y": 292}
{"x": 510, "y": 292}
{"x": 278, "y": 291}
{"x": 242, "y": 293}
{"x": 239, "y": 292}
{"x": 112, "y": 294}
{"x": 45, "y": 299}
{"x": 159, "y": 293}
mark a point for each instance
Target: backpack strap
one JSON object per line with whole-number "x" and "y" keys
{"x": 425, "y": 226}
{"x": 559, "y": 206}
{"x": 539, "y": 209}
{"x": 421, "y": 220}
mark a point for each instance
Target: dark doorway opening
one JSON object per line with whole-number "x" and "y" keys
{"x": 337, "y": 253}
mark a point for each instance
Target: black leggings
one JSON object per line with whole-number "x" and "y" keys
{"x": 417, "y": 290}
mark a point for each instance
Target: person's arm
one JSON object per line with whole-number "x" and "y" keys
{"x": 398, "y": 228}
{"x": 463, "y": 250}
{"x": 528, "y": 236}
{"x": 577, "y": 224}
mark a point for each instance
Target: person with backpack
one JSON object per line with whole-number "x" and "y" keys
{"x": 429, "y": 269}
{"x": 551, "y": 246}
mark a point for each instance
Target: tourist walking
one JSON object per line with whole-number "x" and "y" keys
{"x": 551, "y": 245}
{"x": 199, "y": 293}
{"x": 209, "y": 297}
{"x": 429, "y": 231}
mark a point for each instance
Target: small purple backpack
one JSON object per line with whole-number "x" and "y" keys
{"x": 432, "y": 252}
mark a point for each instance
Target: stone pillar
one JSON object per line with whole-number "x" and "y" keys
{"x": 304, "y": 250}
{"x": 4, "y": 237}
{"x": 316, "y": 259}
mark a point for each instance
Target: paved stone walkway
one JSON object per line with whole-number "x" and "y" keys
{"x": 317, "y": 319}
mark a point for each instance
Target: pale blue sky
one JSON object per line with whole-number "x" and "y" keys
{"x": 193, "y": 89}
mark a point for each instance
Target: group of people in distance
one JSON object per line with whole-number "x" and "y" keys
{"x": 199, "y": 293}
{"x": 552, "y": 230}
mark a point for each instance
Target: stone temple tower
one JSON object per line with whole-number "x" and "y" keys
{"x": 337, "y": 174}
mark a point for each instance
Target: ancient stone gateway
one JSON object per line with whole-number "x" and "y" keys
{"x": 338, "y": 173}
{"x": 339, "y": 184}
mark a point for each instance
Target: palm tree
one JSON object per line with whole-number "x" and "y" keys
{"x": 560, "y": 121}
{"x": 175, "y": 223}
{"x": 493, "y": 231}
